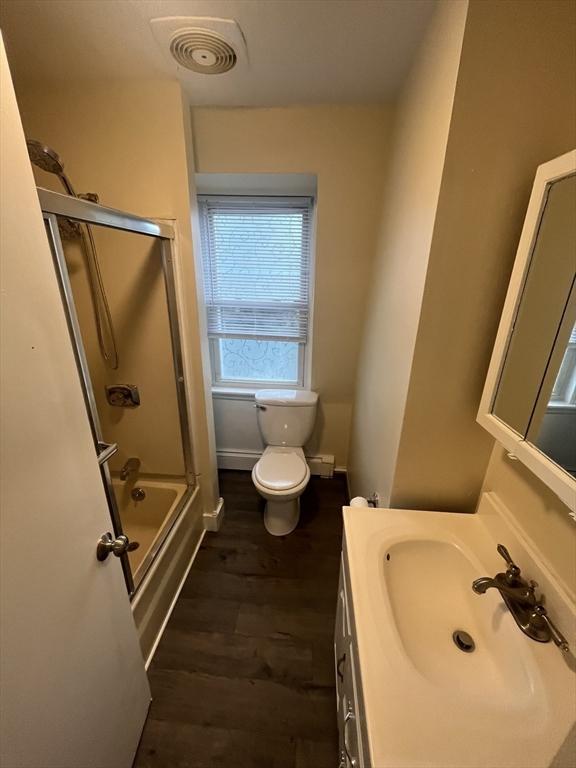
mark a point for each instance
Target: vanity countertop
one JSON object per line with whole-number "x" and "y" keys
{"x": 429, "y": 700}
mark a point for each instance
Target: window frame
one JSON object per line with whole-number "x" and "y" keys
{"x": 248, "y": 387}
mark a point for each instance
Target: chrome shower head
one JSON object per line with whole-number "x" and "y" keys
{"x": 47, "y": 159}
{"x": 44, "y": 157}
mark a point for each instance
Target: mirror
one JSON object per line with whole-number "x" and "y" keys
{"x": 529, "y": 401}
{"x": 553, "y": 425}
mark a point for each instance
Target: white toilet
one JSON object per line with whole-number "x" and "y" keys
{"x": 286, "y": 419}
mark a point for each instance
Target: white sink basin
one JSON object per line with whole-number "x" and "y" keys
{"x": 428, "y": 584}
{"x": 509, "y": 702}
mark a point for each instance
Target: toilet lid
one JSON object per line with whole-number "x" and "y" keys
{"x": 280, "y": 471}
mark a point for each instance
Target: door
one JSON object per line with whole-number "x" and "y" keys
{"x": 74, "y": 688}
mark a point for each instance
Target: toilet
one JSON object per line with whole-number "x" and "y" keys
{"x": 286, "y": 419}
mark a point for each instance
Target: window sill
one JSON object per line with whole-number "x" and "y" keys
{"x": 557, "y": 406}
{"x": 245, "y": 393}
{"x": 232, "y": 393}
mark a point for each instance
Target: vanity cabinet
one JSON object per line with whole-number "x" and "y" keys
{"x": 408, "y": 692}
{"x": 353, "y": 744}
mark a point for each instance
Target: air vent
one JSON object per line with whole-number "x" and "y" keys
{"x": 203, "y": 51}
{"x": 202, "y": 45}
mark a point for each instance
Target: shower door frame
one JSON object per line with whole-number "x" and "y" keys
{"x": 53, "y": 205}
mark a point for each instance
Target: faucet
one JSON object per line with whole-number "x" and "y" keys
{"x": 520, "y": 598}
{"x": 131, "y": 467}
{"x": 520, "y": 594}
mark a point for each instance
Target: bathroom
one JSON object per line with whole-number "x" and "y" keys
{"x": 184, "y": 581}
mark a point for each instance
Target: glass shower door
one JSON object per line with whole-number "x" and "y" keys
{"x": 122, "y": 314}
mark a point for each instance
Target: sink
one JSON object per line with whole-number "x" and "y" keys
{"x": 488, "y": 696}
{"x": 428, "y": 585}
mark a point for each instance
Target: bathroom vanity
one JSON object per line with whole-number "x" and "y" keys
{"x": 353, "y": 739}
{"x": 428, "y": 672}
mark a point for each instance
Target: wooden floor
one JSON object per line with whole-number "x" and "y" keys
{"x": 244, "y": 674}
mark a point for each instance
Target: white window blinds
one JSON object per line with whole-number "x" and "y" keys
{"x": 256, "y": 259}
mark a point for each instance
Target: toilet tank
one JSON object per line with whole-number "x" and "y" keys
{"x": 286, "y": 416}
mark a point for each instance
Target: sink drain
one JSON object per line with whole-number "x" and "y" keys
{"x": 463, "y": 641}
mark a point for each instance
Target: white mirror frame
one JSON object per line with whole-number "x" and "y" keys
{"x": 556, "y": 478}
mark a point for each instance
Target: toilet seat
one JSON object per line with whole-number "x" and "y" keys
{"x": 281, "y": 469}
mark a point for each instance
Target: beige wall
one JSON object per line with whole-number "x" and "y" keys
{"x": 538, "y": 511}
{"x": 461, "y": 235}
{"x": 346, "y": 147}
{"x": 508, "y": 118}
{"x": 127, "y": 142}
{"x": 131, "y": 268}
{"x": 407, "y": 223}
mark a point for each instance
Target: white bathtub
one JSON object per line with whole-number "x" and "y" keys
{"x": 147, "y": 521}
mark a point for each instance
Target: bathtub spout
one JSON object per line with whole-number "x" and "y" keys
{"x": 131, "y": 467}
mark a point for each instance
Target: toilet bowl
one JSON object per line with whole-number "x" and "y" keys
{"x": 286, "y": 419}
{"x": 280, "y": 477}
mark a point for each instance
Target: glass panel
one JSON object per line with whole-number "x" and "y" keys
{"x": 541, "y": 310}
{"x": 553, "y": 425}
{"x": 134, "y": 387}
{"x": 255, "y": 360}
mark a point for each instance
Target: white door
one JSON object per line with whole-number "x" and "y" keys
{"x": 74, "y": 692}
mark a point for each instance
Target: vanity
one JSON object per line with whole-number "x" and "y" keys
{"x": 430, "y": 673}
{"x": 455, "y": 638}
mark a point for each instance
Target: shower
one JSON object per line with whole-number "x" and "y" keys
{"x": 47, "y": 159}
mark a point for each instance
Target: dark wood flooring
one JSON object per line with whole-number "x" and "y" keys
{"x": 244, "y": 674}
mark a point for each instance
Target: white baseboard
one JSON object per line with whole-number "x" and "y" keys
{"x": 322, "y": 465}
{"x": 213, "y": 520}
{"x": 237, "y": 459}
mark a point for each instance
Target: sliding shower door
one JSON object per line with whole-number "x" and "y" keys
{"x": 117, "y": 280}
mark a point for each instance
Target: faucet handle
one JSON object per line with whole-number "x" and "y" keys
{"x": 540, "y": 615}
{"x": 512, "y": 572}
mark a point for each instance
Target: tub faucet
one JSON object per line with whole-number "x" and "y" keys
{"x": 520, "y": 598}
{"x": 130, "y": 468}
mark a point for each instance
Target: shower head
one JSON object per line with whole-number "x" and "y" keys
{"x": 44, "y": 157}
{"x": 47, "y": 159}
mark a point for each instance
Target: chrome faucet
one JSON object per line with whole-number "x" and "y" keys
{"x": 520, "y": 598}
{"x": 130, "y": 468}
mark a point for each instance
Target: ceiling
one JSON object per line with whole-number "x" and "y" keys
{"x": 299, "y": 51}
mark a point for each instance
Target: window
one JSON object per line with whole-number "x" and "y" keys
{"x": 564, "y": 392}
{"x": 256, "y": 255}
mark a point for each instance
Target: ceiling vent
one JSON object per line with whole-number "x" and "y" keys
{"x": 202, "y": 51}
{"x": 203, "y": 45}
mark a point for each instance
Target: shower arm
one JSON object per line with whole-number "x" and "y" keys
{"x": 67, "y": 184}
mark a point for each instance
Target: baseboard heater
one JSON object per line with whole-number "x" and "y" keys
{"x": 322, "y": 465}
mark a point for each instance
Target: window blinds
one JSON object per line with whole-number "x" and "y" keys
{"x": 256, "y": 261}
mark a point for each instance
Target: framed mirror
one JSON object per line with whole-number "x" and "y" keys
{"x": 529, "y": 398}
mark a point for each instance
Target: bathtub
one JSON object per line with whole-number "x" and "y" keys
{"x": 148, "y": 520}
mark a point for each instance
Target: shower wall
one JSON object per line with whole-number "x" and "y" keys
{"x": 127, "y": 142}
{"x": 131, "y": 267}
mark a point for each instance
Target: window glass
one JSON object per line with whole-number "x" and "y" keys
{"x": 258, "y": 360}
